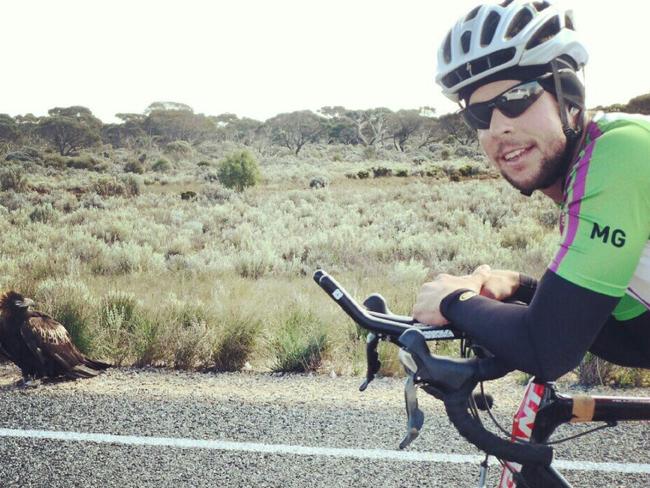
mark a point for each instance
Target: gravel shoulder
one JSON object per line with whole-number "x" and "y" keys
{"x": 302, "y": 410}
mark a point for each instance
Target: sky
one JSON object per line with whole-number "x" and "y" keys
{"x": 258, "y": 58}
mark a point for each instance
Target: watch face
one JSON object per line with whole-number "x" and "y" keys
{"x": 466, "y": 295}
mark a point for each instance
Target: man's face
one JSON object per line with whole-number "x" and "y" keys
{"x": 528, "y": 150}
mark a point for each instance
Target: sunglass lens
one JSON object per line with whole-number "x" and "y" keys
{"x": 478, "y": 116}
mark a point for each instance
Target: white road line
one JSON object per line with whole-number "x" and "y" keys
{"x": 384, "y": 454}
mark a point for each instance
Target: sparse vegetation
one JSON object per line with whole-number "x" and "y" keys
{"x": 151, "y": 254}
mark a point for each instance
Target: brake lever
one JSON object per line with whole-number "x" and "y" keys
{"x": 414, "y": 416}
{"x": 372, "y": 359}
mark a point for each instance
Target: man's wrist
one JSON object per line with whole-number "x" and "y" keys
{"x": 456, "y": 296}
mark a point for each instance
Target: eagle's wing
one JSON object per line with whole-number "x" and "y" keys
{"x": 50, "y": 341}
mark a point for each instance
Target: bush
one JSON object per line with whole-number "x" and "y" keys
{"x": 13, "y": 179}
{"x": 369, "y": 153}
{"x": 300, "y": 344}
{"x": 82, "y": 162}
{"x": 43, "y": 213}
{"x": 318, "y": 182}
{"x": 26, "y": 154}
{"x": 134, "y": 167}
{"x": 469, "y": 170}
{"x": 178, "y": 149}
{"x": 363, "y": 174}
{"x": 235, "y": 346}
{"x": 162, "y": 165}
{"x": 402, "y": 173}
{"x": 112, "y": 187}
{"x": 594, "y": 371}
{"x": 380, "y": 171}
{"x": 445, "y": 154}
{"x": 70, "y": 303}
{"x": 239, "y": 170}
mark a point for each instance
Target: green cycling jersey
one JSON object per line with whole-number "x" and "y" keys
{"x": 605, "y": 214}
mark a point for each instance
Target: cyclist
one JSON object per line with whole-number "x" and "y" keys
{"x": 513, "y": 68}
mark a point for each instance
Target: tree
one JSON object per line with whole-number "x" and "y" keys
{"x": 129, "y": 132}
{"x": 294, "y": 130}
{"x": 369, "y": 125}
{"x": 402, "y": 125}
{"x": 8, "y": 129}
{"x": 454, "y": 126}
{"x": 172, "y": 121}
{"x": 238, "y": 170}
{"x": 232, "y": 128}
{"x": 639, "y": 105}
{"x": 70, "y": 128}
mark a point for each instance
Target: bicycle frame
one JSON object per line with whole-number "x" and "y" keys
{"x": 541, "y": 411}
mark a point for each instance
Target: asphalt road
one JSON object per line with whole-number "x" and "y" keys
{"x": 266, "y": 431}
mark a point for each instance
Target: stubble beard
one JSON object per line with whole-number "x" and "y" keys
{"x": 552, "y": 167}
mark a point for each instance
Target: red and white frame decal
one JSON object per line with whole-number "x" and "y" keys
{"x": 522, "y": 428}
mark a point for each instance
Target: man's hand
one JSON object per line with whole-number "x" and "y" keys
{"x": 427, "y": 305}
{"x": 499, "y": 284}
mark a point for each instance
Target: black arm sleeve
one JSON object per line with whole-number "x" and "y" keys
{"x": 526, "y": 290}
{"x": 626, "y": 343}
{"x": 547, "y": 338}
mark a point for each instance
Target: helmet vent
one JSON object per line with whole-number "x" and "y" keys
{"x": 489, "y": 28}
{"x": 446, "y": 50}
{"x": 539, "y": 6}
{"x": 465, "y": 40}
{"x": 568, "y": 22}
{"x": 520, "y": 21}
{"x": 478, "y": 66}
{"x": 550, "y": 28}
{"x": 472, "y": 13}
{"x": 506, "y": 3}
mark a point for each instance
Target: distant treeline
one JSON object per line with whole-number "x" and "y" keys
{"x": 70, "y": 129}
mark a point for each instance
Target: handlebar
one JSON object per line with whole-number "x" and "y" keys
{"x": 451, "y": 380}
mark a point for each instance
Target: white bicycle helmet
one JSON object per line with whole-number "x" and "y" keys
{"x": 495, "y": 38}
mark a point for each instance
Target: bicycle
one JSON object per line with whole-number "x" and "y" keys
{"x": 527, "y": 457}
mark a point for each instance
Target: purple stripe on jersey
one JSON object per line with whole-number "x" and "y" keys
{"x": 578, "y": 192}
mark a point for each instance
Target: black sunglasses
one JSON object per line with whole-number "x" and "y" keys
{"x": 512, "y": 103}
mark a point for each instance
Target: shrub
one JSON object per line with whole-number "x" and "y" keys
{"x": 162, "y": 165}
{"x": 111, "y": 187}
{"x": 444, "y": 154}
{"x": 318, "y": 182}
{"x": 235, "y": 346}
{"x": 82, "y": 162}
{"x": 204, "y": 164}
{"x": 469, "y": 170}
{"x": 69, "y": 302}
{"x": 218, "y": 194}
{"x": 43, "y": 213}
{"x": 134, "y": 167}
{"x": 239, "y": 170}
{"x": 300, "y": 344}
{"x": 594, "y": 371}
{"x": 178, "y": 149}
{"x": 402, "y": 173}
{"x": 380, "y": 171}
{"x": 435, "y": 171}
{"x": 363, "y": 174}
{"x": 370, "y": 153}
{"x": 188, "y": 195}
{"x": 26, "y": 154}
{"x": 13, "y": 179}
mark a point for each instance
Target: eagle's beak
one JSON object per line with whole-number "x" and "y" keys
{"x": 25, "y": 302}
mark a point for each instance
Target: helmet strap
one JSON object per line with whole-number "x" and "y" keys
{"x": 572, "y": 135}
